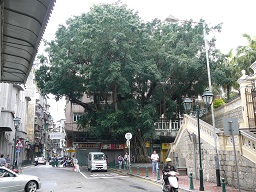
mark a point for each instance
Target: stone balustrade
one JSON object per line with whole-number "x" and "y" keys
{"x": 245, "y": 142}
{"x": 206, "y": 130}
{"x": 185, "y": 147}
{"x": 248, "y": 145}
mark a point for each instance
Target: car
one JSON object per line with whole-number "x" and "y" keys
{"x": 11, "y": 181}
{"x": 41, "y": 160}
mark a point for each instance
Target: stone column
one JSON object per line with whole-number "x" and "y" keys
{"x": 244, "y": 82}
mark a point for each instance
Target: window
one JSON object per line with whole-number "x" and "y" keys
{"x": 99, "y": 157}
{"x": 76, "y": 116}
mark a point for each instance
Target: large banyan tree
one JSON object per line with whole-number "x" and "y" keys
{"x": 146, "y": 67}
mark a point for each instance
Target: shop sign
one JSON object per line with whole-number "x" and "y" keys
{"x": 88, "y": 145}
{"x": 156, "y": 146}
{"x": 71, "y": 150}
{"x": 57, "y": 136}
{"x": 166, "y": 145}
{"x": 112, "y": 146}
{"x": 147, "y": 143}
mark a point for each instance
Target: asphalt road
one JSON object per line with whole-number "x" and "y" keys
{"x": 59, "y": 179}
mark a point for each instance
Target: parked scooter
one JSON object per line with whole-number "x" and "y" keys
{"x": 173, "y": 184}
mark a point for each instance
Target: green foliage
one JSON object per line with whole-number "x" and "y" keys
{"x": 228, "y": 69}
{"x": 246, "y": 55}
{"x": 224, "y": 74}
{"x": 146, "y": 67}
{"x": 218, "y": 102}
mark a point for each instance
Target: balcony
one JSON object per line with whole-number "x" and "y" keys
{"x": 168, "y": 128}
{"x": 39, "y": 122}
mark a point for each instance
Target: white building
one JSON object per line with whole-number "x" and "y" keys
{"x": 13, "y": 103}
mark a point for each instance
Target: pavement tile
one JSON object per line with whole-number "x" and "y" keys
{"x": 184, "y": 181}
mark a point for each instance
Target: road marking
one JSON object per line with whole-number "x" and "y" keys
{"x": 107, "y": 177}
{"x": 104, "y": 175}
{"x": 83, "y": 175}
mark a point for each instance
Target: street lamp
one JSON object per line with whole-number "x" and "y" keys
{"x": 187, "y": 103}
{"x": 217, "y": 164}
{"x": 16, "y": 121}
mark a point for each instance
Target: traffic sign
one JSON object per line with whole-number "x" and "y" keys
{"x": 230, "y": 126}
{"x": 128, "y": 136}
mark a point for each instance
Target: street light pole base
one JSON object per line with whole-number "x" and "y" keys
{"x": 218, "y": 177}
{"x": 201, "y": 188}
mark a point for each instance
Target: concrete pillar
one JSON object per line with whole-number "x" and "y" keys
{"x": 244, "y": 82}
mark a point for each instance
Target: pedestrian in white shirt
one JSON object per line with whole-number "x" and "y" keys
{"x": 2, "y": 160}
{"x": 154, "y": 159}
{"x": 126, "y": 160}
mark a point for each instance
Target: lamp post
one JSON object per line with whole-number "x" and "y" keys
{"x": 217, "y": 164}
{"x": 16, "y": 121}
{"x": 207, "y": 98}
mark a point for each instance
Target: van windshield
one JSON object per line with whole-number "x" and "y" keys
{"x": 99, "y": 157}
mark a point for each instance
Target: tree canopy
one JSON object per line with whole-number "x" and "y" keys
{"x": 146, "y": 67}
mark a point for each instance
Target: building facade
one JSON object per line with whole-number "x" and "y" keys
{"x": 56, "y": 145}
{"x": 39, "y": 119}
{"x": 13, "y": 104}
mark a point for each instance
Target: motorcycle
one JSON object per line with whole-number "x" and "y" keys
{"x": 172, "y": 185}
{"x": 67, "y": 163}
{"x": 13, "y": 169}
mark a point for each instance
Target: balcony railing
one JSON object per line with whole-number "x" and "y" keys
{"x": 167, "y": 127}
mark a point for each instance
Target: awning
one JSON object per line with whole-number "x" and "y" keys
{"x": 23, "y": 24}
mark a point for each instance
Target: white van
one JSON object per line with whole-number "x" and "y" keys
{"x": 97, "y": 161}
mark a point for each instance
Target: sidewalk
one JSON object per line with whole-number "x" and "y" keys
{"x": 184, "y": 181}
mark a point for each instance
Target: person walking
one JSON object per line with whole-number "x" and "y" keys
{"x": 36, "y": 161}
{"x": 8, "y": 161}
{"x": 126, "y": 160}
{"x": 154, "y": 159}
{"x": 120, "y": 161}
{"x": 2, "y": 160}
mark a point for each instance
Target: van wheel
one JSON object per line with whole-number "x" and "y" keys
{"x": 106, "y": 170}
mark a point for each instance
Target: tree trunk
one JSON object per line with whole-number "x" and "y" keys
{"x": 139, "y": 149}
{"x": 114, "y": 96}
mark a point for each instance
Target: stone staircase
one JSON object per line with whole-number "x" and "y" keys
{"x": 246, "y": 140}
{"x": 245, "y": 144}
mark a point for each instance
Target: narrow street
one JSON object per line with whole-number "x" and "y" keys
{"x": 59, "y": 179}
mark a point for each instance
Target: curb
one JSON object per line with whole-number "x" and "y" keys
{"x": 143, "y": 177}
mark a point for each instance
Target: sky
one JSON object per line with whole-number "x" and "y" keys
{"x": 236, "y": 15}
